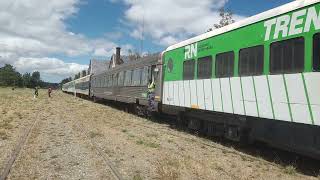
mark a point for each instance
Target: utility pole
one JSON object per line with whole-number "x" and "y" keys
{"x": 142, "y": 33}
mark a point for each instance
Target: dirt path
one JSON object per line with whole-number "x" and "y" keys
{"x": 71, "y": 133}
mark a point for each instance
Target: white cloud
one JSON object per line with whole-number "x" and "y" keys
{"x": 168, "y": 22}
{"x": 48, "y": 66}
{"x": 32, "y": 30}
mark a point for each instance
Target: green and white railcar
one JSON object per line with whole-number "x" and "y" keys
{"x": 266, "y": 66}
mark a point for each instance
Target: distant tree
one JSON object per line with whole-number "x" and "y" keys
{"x": 84, "y": 73}
{"x": 26, "y": 78}
{"x": 9, "y": 76}
{"x": 226, "y": 19}
{"x": 133, "y": 56}
{"x": 35, "y": 79}
{"x": 77, "y": 76}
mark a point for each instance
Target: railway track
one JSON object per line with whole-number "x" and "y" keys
{"x": 18, "y": 148}
{"x": 100, "y": 152}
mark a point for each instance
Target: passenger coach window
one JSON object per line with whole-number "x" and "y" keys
{"x": 127, "y": 79}
{"x": 109, "y": 81}
{"x": 287, "y": 56}
{"x": 316, "y": 52}
{"x": 144, "y": 76}
{"x": 205, "y": 67}
{"x": 136, "y": 78}
{"x": 115, "y": 80}
{"x": 224, "y": 64}
{"x": 251, "y": 61}
{"x": 121, "y": 79}
{"x": 188, "y": 69}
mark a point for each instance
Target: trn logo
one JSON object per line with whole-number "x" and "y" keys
{"x": 191, "y": 51}
{"x": 297, "y": 23}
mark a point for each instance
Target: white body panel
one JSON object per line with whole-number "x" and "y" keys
{"x": 279, "y": 98}
{"x": 270, "y": 97}
{"x": 176, "y": 100}
{"x": 298, "y": 99}
{"x": 237, "y": 96}
{"x": 187, "y": 94}
{"x": 312, "y": 81}
{"x": 217, "y": 104}
{"x": 226, "y": 95}
{"x": 263, "y": 97}
{"x": 181, "y": 93}
{"x": 193, "y": 93}
{"x": 200, "y": 94}
{"x": 208, "y": 94}
{"x": 249, "y": 96}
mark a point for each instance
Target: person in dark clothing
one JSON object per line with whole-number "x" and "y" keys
{"x": 49, "y": 92}
{"x": 36, "y": 92}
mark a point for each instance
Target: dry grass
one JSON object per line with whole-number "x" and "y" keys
{"x": 167, "y": 169}
{"x": 137, "y": 177}
{"x": 3, "y": 135}
{"x": 147, "y": 143}
{"x": 95, "y": 134}
{"x": 137, "y": 151}
{"x": 291, "y": 170}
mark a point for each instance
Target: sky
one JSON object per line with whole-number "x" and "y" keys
{"x": 58, "y": 38}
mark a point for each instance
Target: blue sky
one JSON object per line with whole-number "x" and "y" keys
{"x": 61, "y": 38}
{"x": 98, "y": 18}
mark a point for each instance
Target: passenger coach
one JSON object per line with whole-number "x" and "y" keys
{"x": 128, "y": 83}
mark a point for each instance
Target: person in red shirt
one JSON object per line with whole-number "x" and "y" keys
{"x": 49, "y": 92}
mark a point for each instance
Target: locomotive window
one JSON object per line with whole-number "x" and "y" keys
{"x": 127, "y": 79}
{"x": 205, "y": 67}
{"x": 287, "y": 56}
{"x": 224, "y": 64}
{"x": 251, "y": 61}
{"x": 316, "y": 52}
{"x": 188, "y": 69}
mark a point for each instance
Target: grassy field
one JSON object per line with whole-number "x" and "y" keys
{"x": 70, "y": 132}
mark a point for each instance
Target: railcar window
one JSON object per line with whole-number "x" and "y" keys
{"x": 225, "y": 64}
{"x": 121, "y": 78}
{"x": 287, "y": 56}
{"x": 144, "y": 76}
{"x": 128, "y": 77}
{"x": 188, "y": 69}
{"x": 316, "y": 52}
{"x": 251, "y": 61}
{"x": 115, "y": 80}
{"x": 205, "y": 67}
{"x": 136, "y": 78}
{"x": 110, "y": 80}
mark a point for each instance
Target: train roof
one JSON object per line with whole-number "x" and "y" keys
{"x": 133, "y": 64}
{"x": 248, "y": 21}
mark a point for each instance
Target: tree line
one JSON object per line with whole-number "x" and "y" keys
{"x": 9, "y": 77}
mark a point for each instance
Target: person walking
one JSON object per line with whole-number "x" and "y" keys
{"x": 49, "y": 92}
{"x": 36, "y": 92}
